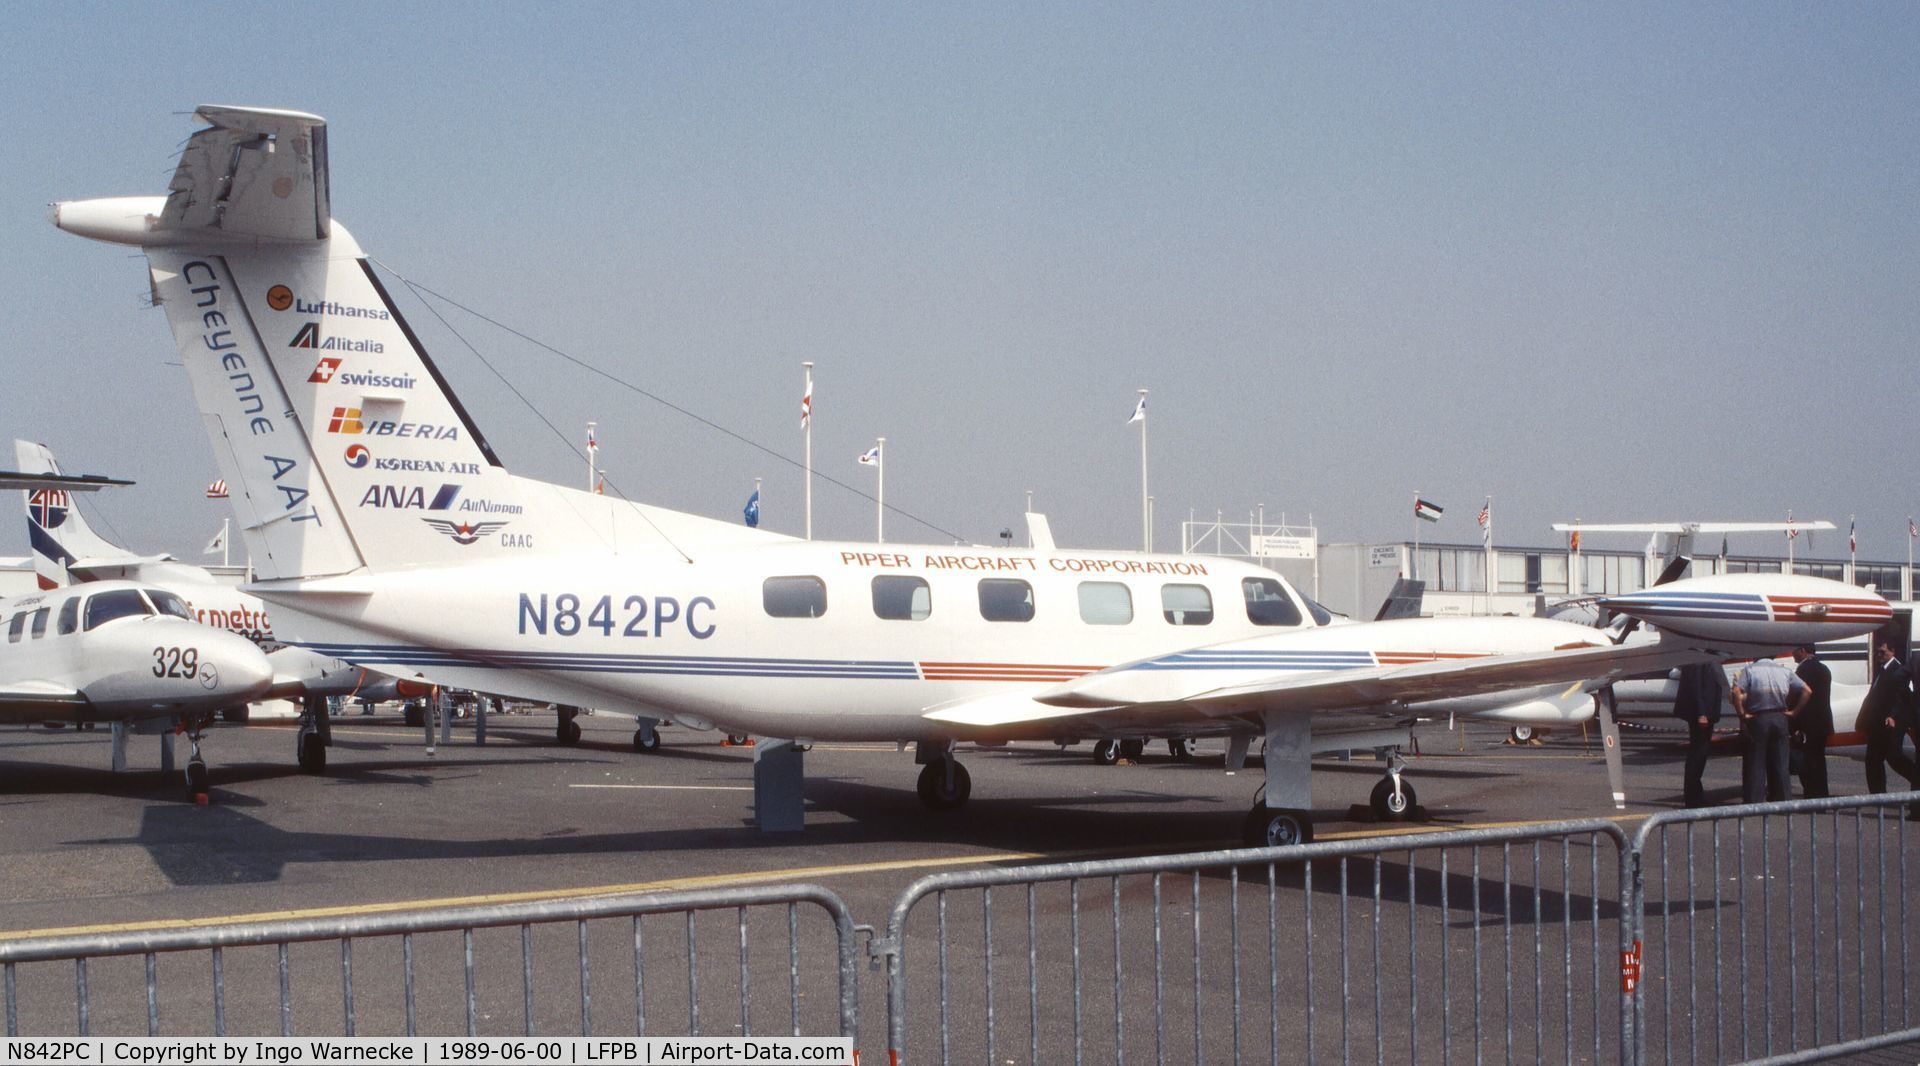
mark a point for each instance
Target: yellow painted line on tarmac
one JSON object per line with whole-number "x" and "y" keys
{"x": 678, "y": 788}
{"x": 792, "y": 873}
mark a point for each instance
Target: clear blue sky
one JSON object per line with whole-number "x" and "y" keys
{"x": 1619, "y": 262}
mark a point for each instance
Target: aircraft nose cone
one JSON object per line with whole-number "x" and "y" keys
{"x": 241, "y": 670}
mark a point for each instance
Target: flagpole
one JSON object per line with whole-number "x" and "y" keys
{"x": 806, "y": 423}
{"x": 1413, "y": 564}
{"x": 1146, "y": 513}
{"x": 593, "y": 451}
{"x": 880, "y": 497}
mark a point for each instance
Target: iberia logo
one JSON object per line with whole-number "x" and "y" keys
{"x": 279, "y": 297}
{"x": 358, "y": 455}
{"x": 344, "y": 420}
{"x": 323, "y": 371}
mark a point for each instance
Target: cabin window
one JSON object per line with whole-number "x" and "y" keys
{"x": 1004, "y": 599}
{"x": 69, "y": 616}
{"x": 40, "y": 622}
{"x": 168, "y": 603}
{"x": 1269, "y": 605}
{"x": 1186, "y": 605}
{"x": 1105, "y": 603}
{"x": 794, "y": 597}
{"x": 901, "y": 599}
{"x": 120, "y": 603}
{"x": 17, "y": 628}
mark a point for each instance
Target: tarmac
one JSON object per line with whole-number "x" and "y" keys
{"x": 391, "y": 826}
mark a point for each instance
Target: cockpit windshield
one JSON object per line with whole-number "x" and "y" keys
{"x": 168, "y": 603}
{"x": 104, "y": 607}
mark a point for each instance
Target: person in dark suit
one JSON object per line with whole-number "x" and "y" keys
{"x": 1885, "y": 716}
{"x": 1814, "y": 724}
{"x": 1697, "y": 703}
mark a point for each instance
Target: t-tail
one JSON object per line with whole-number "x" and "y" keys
{"x": 56, "y": 530}
{"x": 342, "y": 445}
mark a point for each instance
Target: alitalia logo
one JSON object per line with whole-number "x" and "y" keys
{"x": 309, "y": 337}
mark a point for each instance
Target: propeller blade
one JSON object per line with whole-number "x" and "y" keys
{"x": 1603, "y": 703}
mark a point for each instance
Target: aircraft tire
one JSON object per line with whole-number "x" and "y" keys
{"x": 238, "y": 713}
{"x": 1181, "y": 748}
{"x": 196, "y": 779}
{"x": 312, "y": 754}
{"x": 1386, "y": 808}
{"x": 1132, "y": 749}
{"x": 1269, "y": 827}
{"x": 646, "y": 741}
{"x": 1520, "y": 734}
{"x": 933, "y": 786}
{"x": 567, "y": 733}
{"x": 1106, "y": 752}
{"x": 413, "y": 715}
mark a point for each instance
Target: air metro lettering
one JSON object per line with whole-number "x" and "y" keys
{"x": 563, "y": 616}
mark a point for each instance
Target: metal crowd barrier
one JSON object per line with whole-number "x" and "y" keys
{"x": 1213, "y": 967}
{"x": 1775, "y": 931}
{"x": 243, "y": 987}
{"x": 1772, "y": 932}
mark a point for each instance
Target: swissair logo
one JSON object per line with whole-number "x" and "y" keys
{"x": 323, "y": 371}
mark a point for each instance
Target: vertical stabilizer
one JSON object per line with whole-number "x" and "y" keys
{"x": 56, "y": 530}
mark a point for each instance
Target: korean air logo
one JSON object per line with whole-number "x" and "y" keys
{"x": 358, "y": 455}
{"x": 323, "y": 371}
{"x": 344, "y": 420}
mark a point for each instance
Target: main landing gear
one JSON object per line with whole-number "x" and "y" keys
{"x": 1393, "y": 799}
{"x": 1274, "y": 827}
{"x": 646, "y": 739}
{"x": 313, "y": 736}
{"x": 1110, "y": 752}
{"x": 944, "y": 783}
{"x": 566, "y": 730}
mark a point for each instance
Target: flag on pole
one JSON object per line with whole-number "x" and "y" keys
{"x": 1139, "y": 412}
{"x": 1912, "y": 530}
{"x": 218, "y": 544}
{"x": 592, "y": 444}
{"x": 870, "y": 457}
{"x": 1793, "y": 531}
{"x": 1430, "y": 512}
{"x": 806, "y": 405}
{"x": 1486, "y": 523}
{"x": 217, "y": 491}
{"x": 600, "y": 485}
{"x": 1853, "y": 542}
{"x": 1573, "y": 541}
{"x": 751, "y": 512}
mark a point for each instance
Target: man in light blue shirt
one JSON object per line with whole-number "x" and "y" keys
{"x": 1765, "y": 694}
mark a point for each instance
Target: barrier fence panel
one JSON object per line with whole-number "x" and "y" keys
{"x": 748, "y": 961}
{"x": 1455, "y": 946}
{"x": 1776, "y": 931}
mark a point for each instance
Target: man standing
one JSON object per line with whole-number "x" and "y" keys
{"x": 1814, "y": 723}
{"x": 1698, "y": 704}
{"x": 1885, "y": 716}
{"x": 1765, "y": 694}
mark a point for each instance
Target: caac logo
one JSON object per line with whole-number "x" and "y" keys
{"x": 358, "y": 455}
{"x": 463, "y": 532}
{"x": 323, "y": 371}
{"x": 279, "y": 297}
{"x": 49, "y": 507}
{"x": 344, "y": 420}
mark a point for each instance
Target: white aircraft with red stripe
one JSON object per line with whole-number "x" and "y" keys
{"x": 385, "y": 530}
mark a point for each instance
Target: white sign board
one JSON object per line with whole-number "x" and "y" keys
{"x": 1269, "y": 546}
{"x": 1384, "y": 557}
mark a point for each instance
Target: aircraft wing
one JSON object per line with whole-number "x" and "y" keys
{"x": 253, "y": 173}
{"x": 1134, "y": 697}
{"x": 39, "y": 702}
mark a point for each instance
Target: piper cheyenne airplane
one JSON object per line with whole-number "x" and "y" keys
{"x": 66, "y": 550}
{"x": 384, "y": 530}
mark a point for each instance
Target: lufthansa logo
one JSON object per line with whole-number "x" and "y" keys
{"x": 279, "y": 297}
{"x": 209, "y": 677}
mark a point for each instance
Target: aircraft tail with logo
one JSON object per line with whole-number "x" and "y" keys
{"x": 65, "y": 547}
{"x": 341, "y": 442}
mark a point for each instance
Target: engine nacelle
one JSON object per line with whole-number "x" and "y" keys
{"x": 1772, "y": 610}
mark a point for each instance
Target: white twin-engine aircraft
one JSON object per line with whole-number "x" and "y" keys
{"x": 385, "y": 531}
